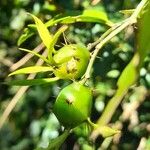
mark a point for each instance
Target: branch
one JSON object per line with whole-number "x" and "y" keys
{"x": 28, "y": 56}
{"x": 102, "y": 41}
{"x": 115, "y": 101}
{"x": 18, "y": 95}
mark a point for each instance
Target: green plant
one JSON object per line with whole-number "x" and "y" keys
{"x": 69, "y": 62}
{"x": 73, "y": 62}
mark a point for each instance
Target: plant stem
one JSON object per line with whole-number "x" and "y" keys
{"x": 93, "y": 125}
{"x": 92, "y": 45}
{"x": 116, "y": 99}
{"x": 131, "y": 20}
{"x": 111, "y": 107}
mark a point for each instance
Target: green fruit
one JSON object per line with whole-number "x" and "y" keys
{"x": 73, "y": 105}
{"x": 72, "y": 61}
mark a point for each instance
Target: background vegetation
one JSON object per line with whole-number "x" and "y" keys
{"x": 32, "y": 123}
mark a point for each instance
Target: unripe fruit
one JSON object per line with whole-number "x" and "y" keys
{"x": 72, "y": 61}
{"x": 73, "y": 105}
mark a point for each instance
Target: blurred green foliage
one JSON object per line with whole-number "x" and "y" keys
{"x": 32, "y": 122}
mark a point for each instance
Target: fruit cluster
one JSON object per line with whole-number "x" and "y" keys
{"x": 73, "y": 104}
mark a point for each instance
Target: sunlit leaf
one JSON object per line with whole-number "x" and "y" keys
{"x": 127, "y": 11}
{"x": 126, "y": 79}
{"x": 106, "y": 131}
{"x": 43, "y": 31}
{"x": 93, "y": 15}
{"x": 45, "y": 36}
{"x": 28, "y": 32}
{"x": 89, "y": 15}
{"x": 31, "y": 82}
{"x": 32, "y": 69}
{"x": 131, "y": 72}
{"x": 143, "y": 33}
{"x": 35, "y": 53}
{"x": 57, "y": 142}
{"x": 56, "y": 36}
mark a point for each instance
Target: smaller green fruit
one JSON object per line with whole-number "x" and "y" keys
{"x": 72, "y": 61}
{"x": 73, "y": 105}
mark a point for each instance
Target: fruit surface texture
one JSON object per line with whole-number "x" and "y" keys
{"x": 72, "y": 61}
{"x": 73, "y": 105}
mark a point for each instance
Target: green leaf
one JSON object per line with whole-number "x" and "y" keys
{"x": 57, "y": 142}
{"x": 129, "y": 74}
{"x": 126, "y": 79}
{"x": 29, "y": 82}
{"x": 131, "y": 71}
{"x": 143, "y": 32}
{"x": 127, "y": 11}
{"x": 32, "y": 69}
{"x": 106, "y": 131}
{"x": 103, "y": 130}
{"x": 56, "y": 36}
{"x": 93, "y": 15}
{"x": 43, "y": 31}
{"x": 36, "y": 54}
{"x": 87, "y": 147}
{"x": 45, "y": 36}
{"x": 26, "y": 34}
{"x": 62, "y": 20}
{"x": 88, "y": 15}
